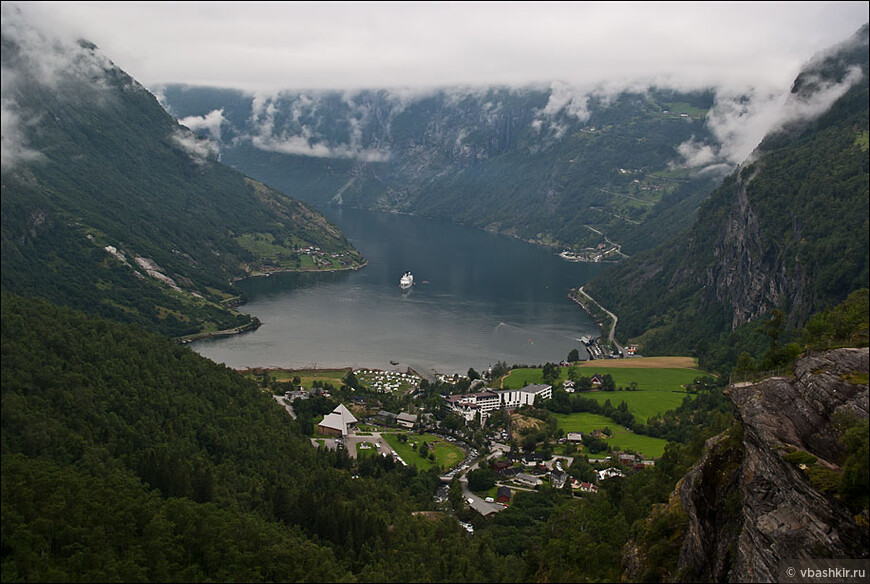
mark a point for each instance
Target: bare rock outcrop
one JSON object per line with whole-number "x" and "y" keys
{"x": 749, "y": 508}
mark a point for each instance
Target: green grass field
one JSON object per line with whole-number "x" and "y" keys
{"x": 584, "y": 422}
{"x": 446, "y": 453}
{"x": 306, "y": 376}
{"x": 622, "y": 439}
{"x": 642, "y": 404}
{"x": 658, "y": 389}
{"x": 366, "y": 450}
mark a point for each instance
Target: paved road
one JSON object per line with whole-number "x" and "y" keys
{"x": 351, "y": 440}
{"x": 613, "y": 316}
{"x": 280, "y": 399}
{"x": 477, "y": 503}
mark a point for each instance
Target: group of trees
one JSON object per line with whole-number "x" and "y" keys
{"x": 126, "y": 455}
{"x": 214, "y": 470}
{"x": 563, "y": 402}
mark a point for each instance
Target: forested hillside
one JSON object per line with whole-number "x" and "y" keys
{"x": 128, "y": 457}
{"x": 787, "y": 231}
{"x": 110, "y": 206}
{"x": 556, "y": 166}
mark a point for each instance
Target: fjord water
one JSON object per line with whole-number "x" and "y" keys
{"x": 478, "y": 298}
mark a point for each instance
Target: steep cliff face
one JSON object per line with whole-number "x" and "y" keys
{"x": 748, "y": 274}
{"x": 749, "y": 505}
{"x": 788, "y": 230}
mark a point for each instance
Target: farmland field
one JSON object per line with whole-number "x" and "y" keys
{"x": 642, "y": 404}
{"x": 622, "y": 439}
{"x": 306, "y": 376}
{"x": 660, "y": 382}
{"x": 645, "y": 363}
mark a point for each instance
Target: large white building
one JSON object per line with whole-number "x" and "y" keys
{"x": 469, "y": 404}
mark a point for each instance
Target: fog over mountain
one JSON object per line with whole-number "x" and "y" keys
{"x": 748, "y": 54}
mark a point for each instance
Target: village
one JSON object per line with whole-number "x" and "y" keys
{"x": 511, "y": 470}
{"x": 600, "y": 254}
{"x": 483, "y": 439}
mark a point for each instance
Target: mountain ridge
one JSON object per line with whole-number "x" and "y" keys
{"x": 788, "y": 230}
{"x": 539, "y": 164}
{"x": 110, "y": 206}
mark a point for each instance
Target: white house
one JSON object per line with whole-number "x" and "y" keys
{"x": 608, "y": 473}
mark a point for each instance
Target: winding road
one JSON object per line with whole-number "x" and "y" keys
{"x": 611, "y": 337}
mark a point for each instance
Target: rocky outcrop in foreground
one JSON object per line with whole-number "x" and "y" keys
{"x": 748, "y": 507}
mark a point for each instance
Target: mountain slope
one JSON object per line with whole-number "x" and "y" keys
{"x": 555, "y": 166}
{"x": 128, "y": 457}
{"x": 788, "y": 230}
{"x": 109, "y": 205}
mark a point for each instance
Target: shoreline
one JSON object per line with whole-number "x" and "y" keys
{"x": 612, "y": 335}
{"x": 255, "y": 323}
{"x": 295, "y": 271}
{"x": 251, "y": 326}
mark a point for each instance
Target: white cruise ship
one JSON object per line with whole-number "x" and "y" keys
{"x": 406, "y": 281}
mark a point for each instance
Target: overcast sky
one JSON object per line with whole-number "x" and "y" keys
{"x": 336, "y": 45}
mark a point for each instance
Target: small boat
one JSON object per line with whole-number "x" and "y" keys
{"x": 406, "y": 281}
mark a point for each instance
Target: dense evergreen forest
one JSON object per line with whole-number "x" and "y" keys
{"x": 128, "y": 457}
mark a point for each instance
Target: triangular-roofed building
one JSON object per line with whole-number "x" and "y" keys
{"x": 339, "y": 422}
{"x": 345, "y": 414}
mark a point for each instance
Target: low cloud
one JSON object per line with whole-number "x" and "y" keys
{"x": 573, "y": 101}
{"x": 740, "y": 121}
{"x": 36, "y": 58}
{"x": 301, "y": 138}
{"x": 696, "y": 154}
{"x": 199, "y": 149}
{"x": 565, "y": 100}
{"x": 210, "y": 122}
{"x": 13, "y": 145}
{"x": 304, "y": 145}
{"x": 50, "y": 58}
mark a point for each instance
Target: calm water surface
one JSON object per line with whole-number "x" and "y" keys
{"x": 478, "y": 298}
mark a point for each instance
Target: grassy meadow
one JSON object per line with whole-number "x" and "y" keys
{"x": 447, "y": 454}
{"x": 660, "y": 382}
{"x": 622, "y": 439}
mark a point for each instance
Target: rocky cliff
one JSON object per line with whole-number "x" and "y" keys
{"x": 748, "y": 274}
{"x": 761, "y": 492}
{"x": 787, "y": 231}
